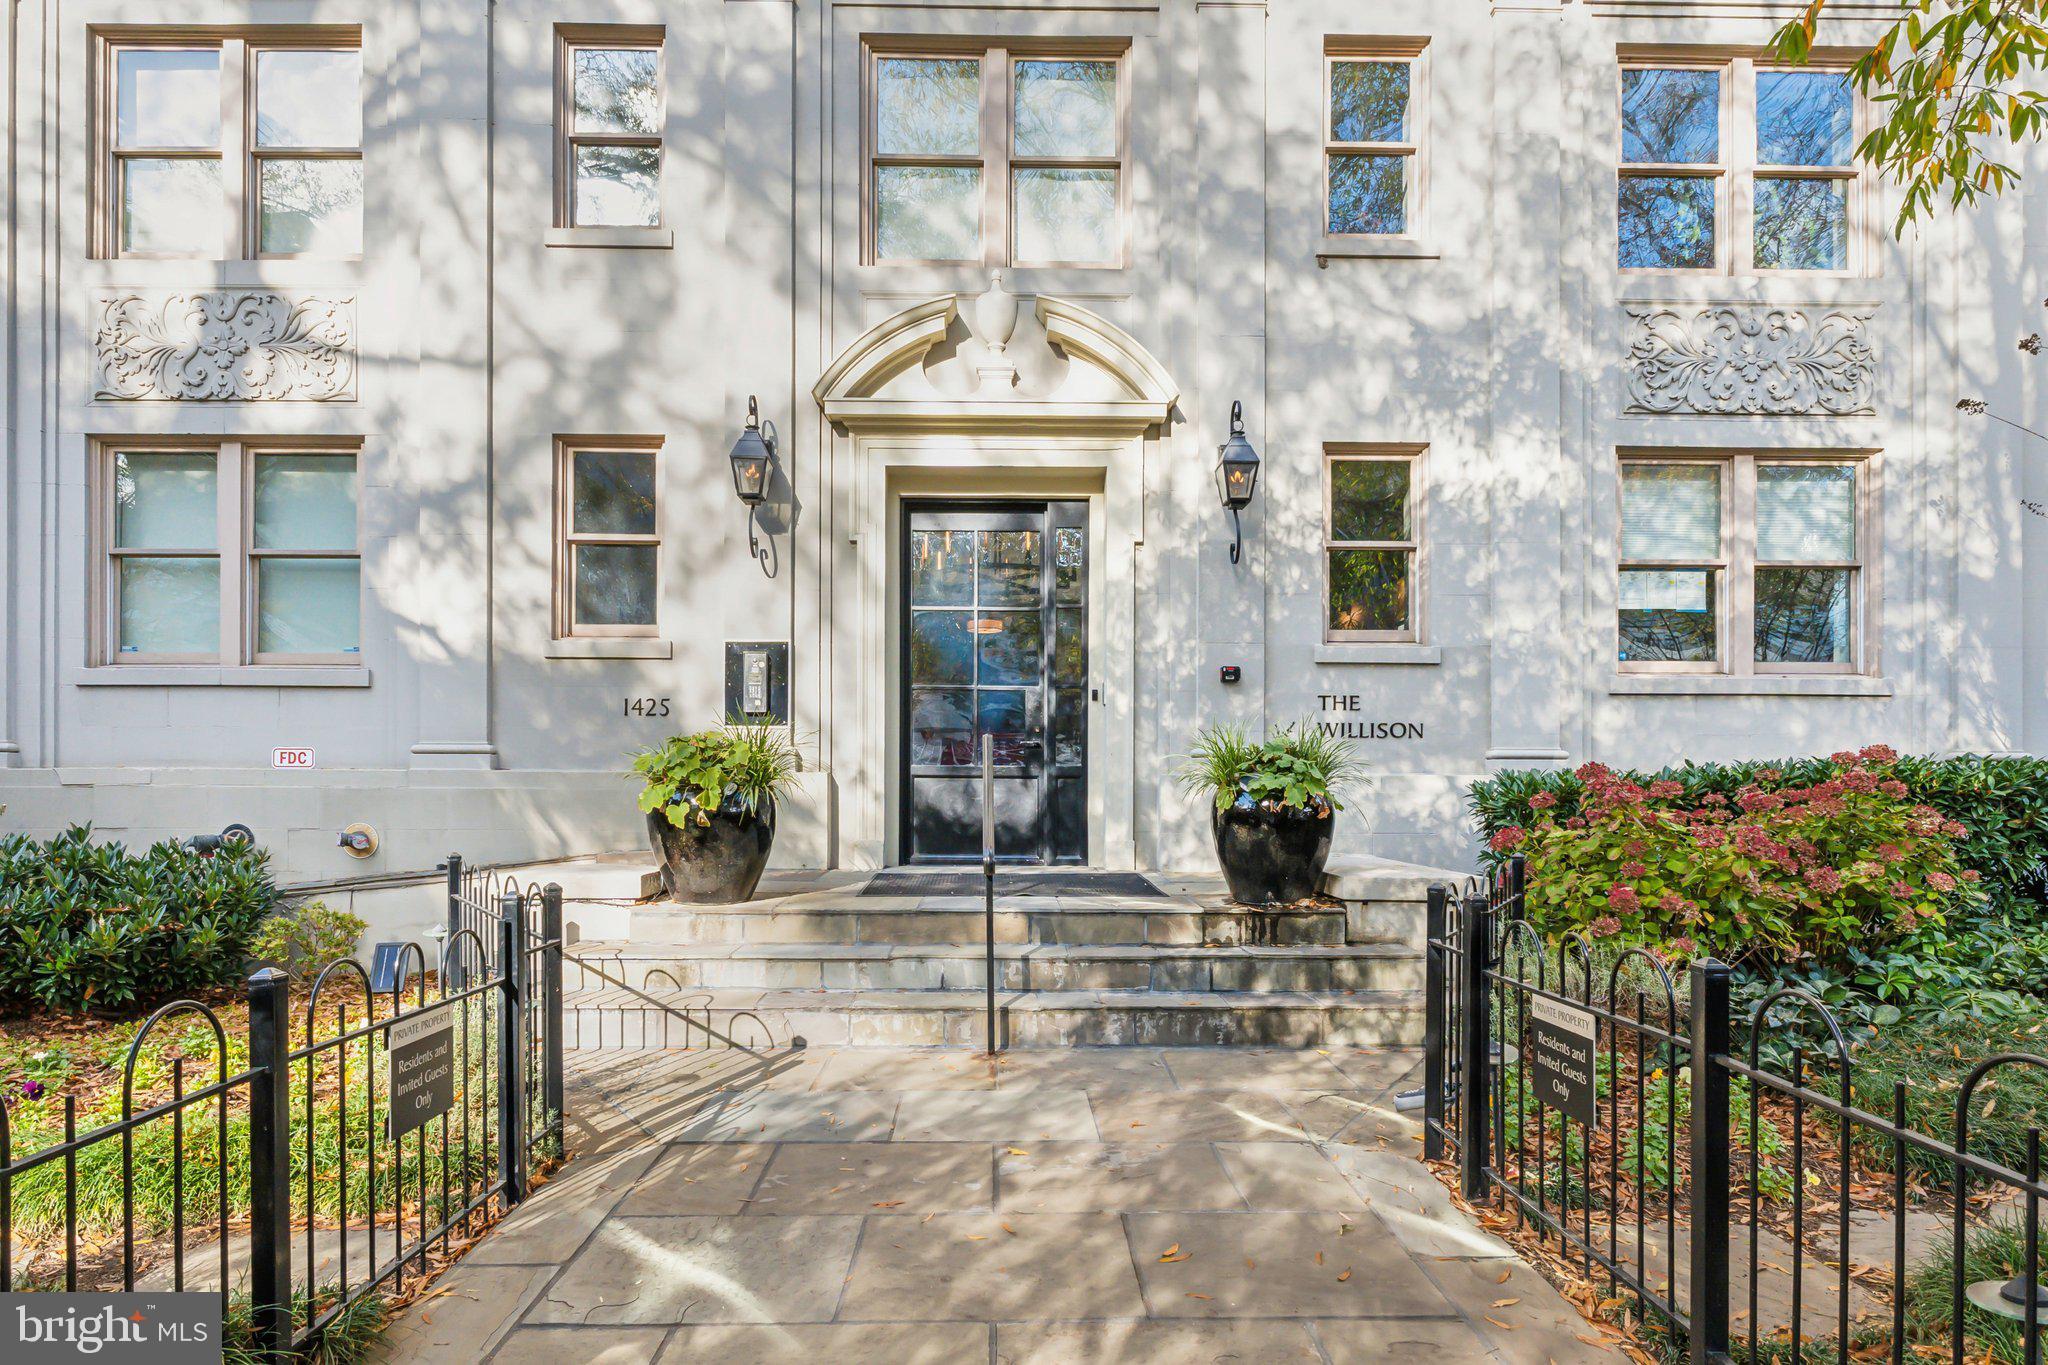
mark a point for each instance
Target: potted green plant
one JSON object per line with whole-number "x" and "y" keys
{"x": 710, "y": 804}
{"x": 1275, "y": 806}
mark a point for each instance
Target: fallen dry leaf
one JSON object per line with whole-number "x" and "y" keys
{"x": 1007, "y": 1228}
{"x": 1503, "y": 1278}
{"x": 1016, "y": 1151}
{"x": 1319, "y": 1258}
{"x": 1496, "y": 1322}
{"x": 1198, "y": 1296}
{"x": 889, "y": 1204}
{"x": 1345, "y": 1276}
{"x": 1504, "y": 1303}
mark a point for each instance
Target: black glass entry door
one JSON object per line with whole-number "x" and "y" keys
{"x": 995, "y": 642}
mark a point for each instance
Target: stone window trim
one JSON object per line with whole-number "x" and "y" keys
{"x": 569, "y": 38}
{"x": 1737, "y": 171}
{"x": 238, "y": 154}
{"x": 238, "y": 660}
{"x": 570, "y": 638}
{"x": 1734, "y": 670}
{"x": 1359, "y": 645}
{"x": 998, "y": 56}
{"x": 1414, "y": 242}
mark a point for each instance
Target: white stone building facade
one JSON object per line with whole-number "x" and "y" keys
{"x": 371, "y": 369}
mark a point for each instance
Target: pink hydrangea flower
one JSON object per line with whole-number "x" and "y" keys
{"x": 1824, "y": 879}
{"x": 1605, "y": 927}
{"x": 1507, "y": 839}
{"x": 1941, "y": 881}
{"x": 1623, "y": 900}
{"x": 1879, "y": 753}
{"x": 1542, "y": 800}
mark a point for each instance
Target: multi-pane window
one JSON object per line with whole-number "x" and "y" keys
{"x": 608, "y": 121}
{"x": 997, "y": 157}
{"x": 1742, "y": 564}
{"x": 1730, "y": 166}
{"x": 609, "y": 539}
{"x": 224, "y": 148}
{"x": 1370, "y": 540}
{"x": 1372, "y": 166}
{"x": 233, "y": 553}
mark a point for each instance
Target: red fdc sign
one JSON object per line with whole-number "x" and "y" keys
{"x": 291, "y": 758}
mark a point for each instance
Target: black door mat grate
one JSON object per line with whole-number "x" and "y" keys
{"x": 1012, "y": 882}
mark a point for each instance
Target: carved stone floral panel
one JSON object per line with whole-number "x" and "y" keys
{"x": 225, "y": 345}
{"x": 1750, "y": 360}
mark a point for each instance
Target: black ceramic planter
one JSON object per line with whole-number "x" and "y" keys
{"x": 716, "y": 863}
{"x": 1272, "y": 856}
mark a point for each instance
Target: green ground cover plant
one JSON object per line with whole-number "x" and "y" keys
{"x": 87, "y": 925}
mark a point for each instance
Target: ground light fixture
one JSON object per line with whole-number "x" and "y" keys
{"x": 751, "y": 456}
{"x": 1237, "y": 476}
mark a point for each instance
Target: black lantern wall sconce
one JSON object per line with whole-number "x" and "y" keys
{"x": 752, "y": 457}
{"x": 1237, "y": 476}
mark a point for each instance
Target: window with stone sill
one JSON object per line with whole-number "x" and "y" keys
{"x": 608, "y": 126}
{"x": 997, "y": 155}
{"x": 1731, "y": 166}
{"x": 230, "y": 147}
{"x": 1373, "y": 170}
{"x": 1371, "y": 537}
{"x": 231, "y": 552}
{"x": 1744, "y": 564}
{"x": 608, "y": 538}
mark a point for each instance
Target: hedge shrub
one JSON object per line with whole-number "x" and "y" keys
{"x": 86, "y": 925}
{"x": 2001, "y": 802}
{"x": 1771, "y": 875}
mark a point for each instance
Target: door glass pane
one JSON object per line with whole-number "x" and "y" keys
{"x": 942, "y": 728}
{"x": 169, "y": 606}
{"x": 618, "y": 90}
{"x": 928, "y": 106}
{"x": 167, "y": 99}
{"x": 1069, "y": 646}
{"x": 165, "y": 500}
{"x": 1369, "y": 101}
{"x": 928, "y": 213}
{"x": 1070, "y": 563}
{"x": 172, "y": 205}
{"x": 1369, "y": 500}
{"x": 618, "y": 186}
{"x": 312, "y": 206}
{"x": 942, "y": 568}
{"x": 1368, "y": 194}
{"x": 1805, "y": 513}
{"x": 1009, "y": 568}
{"x": 941, "y": 647}
{"x": 1016, "y": 719}
{"x": 1666, "y": 222}
{"x": 1671, "y": 117}
{"x": 1802, "y": 616}
{"x": 615, "y": 585}
{"x": 1010, "y": 647}
{"x": 1069, "y": 729}
{"x": 1803, "y": 118}
{"x": 308, "y": 606}
{"x": 614, "y": 493}
{"x": 1670, "y": 511}
{"x": 1368, "y": 590}
{"x": 1668, "y": 614}
{"x": 1065, "y": 108}
{"x": 1066, "y": 215}
{"x": 308, "y": 98}
{"x": 305, "y": 502}
{"x": 1802, "y": 224}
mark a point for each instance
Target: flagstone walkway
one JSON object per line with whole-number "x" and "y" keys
{"x": 906, "y": 1206}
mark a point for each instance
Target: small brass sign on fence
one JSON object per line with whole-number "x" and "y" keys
{"x": 1561, "y": 1042}
{"x": 422, "y": 1080}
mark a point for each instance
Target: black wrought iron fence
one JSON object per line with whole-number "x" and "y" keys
{"x": 1695, "y": 1160}
{"x": 295, "y": 1157}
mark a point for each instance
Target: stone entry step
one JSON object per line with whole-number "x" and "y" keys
{"x": 861, "y": 1018}
{"x": 1020, "y": 967}
{"x": 959, "y": 919}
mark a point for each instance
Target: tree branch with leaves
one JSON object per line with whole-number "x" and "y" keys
{"x": 1952, "y": 82}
